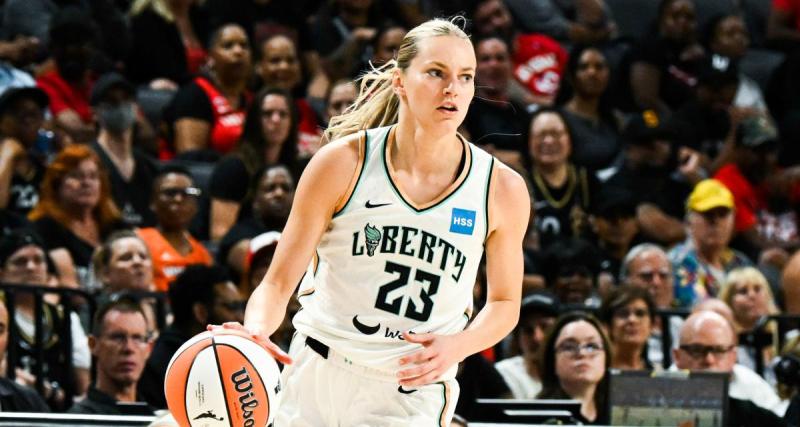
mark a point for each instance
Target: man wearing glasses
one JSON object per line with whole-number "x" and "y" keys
{"x": 174, "y": 201}
{"x": 200, "y": 295}
{"x": 708, "y": 344}
{"x": 120, "y": 344}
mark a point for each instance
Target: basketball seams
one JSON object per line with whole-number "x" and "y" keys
{"x": 192, "y": 346}
{"x": 264, "y": 384}
{"x": 222, "y": 381}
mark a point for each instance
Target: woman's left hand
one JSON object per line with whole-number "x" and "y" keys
{"x": 425, "y": 366}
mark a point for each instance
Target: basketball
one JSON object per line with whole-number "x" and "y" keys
{"x": 222, "y": 380}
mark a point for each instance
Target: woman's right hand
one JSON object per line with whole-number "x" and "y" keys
{"x": 258, "y": 336}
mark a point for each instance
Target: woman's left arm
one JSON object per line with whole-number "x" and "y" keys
{"x": 509, "y": 211}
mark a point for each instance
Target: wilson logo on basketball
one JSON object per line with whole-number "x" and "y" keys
{"x": 247, "y": 401}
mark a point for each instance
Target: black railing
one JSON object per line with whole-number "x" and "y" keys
{"x": 70, "y": 301}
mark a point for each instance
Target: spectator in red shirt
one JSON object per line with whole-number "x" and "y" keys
{"x": 783, "y": 25}
{"x": 755, "y": 182}
{"x": 72, "y": 43}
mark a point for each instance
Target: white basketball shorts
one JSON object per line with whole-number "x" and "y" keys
{"x": 332, "y": 391}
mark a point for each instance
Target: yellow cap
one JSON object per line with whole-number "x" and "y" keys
{"x": 709, "y": 194}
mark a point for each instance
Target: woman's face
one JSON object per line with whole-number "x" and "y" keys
{"x": 591, "y": 77}
{"x": 549, "y": 141}
{"x": 130, "y": 266}
{"x": 749, "y": 303}
{"x": 28, "y": 265}
{"x": 387, "y": 45}
{"x": 679, "y": 21}
{"x": 437, "y": 87}
{"x": 580, "y": 355}
{"x": 342, "y": 96}
{"x": 731, "y": 38}
{"x": 279, "y": 66}
{"x": 276, "y": 119}
{"x": 230, "y": 54}
{"x": 631, "y": 323}
{"x": 80, "y": 187}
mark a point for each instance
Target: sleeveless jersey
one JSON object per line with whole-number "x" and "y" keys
{"x": 386, "y": 265}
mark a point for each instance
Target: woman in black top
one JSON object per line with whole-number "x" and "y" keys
{"x": 628, "y": 314}
{"x": 168, "y": 42}
{"x": 75, "y": 212}
{"x": 269, "y": 138}
{"x": 561, "y": 191}
{"x": 586, "y": 107}
{"x": 575, "y": 361}
{"x": 663, "y": 70}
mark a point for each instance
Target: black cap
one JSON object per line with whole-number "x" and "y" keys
{"x": 646, "y": 127}
{"x": 107, "y": 82}
{"x": 11, "y": 95}
{"x": 540, "y": 302}
{"x": 16, "y": 240}
{"x": 614, "y": 202}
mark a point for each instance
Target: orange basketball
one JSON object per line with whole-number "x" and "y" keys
{"x": 222, "y": 380}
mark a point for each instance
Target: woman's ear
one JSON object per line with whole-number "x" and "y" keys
{"x": 398, "y": 84}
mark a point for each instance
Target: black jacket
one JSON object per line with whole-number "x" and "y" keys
{"x": 18, "y": 398}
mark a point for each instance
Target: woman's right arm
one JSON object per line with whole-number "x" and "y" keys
{"x": 191, "y": 134}
{"x": 323, "y": 189}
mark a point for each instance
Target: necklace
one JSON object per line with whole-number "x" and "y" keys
{"x": 556, "y": 204}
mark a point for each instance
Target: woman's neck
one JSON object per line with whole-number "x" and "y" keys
{"x": 531, "y": 367}
{"x": 588, "y": 108}
{"x": 231, "y": 87}
{"x": 272, "y": 153}
{"x": 423, "y": 152}
{"x": 119, "y": 150}
{"x": 584, "y": 393}
{"x": 627, "y": 356}
{"x": 81, "y": 214}
{"x": 25, "y": 303}
{"x": 177, "y": 238}
{"x": 554, "y": 175}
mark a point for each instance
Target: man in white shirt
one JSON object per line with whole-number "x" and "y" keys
{"x": 708, "y": 343}
{"x": 538, "y": 313}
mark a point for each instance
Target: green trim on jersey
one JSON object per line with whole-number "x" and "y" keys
{"x": 486, "y": 201}
{"x": 452, "y": 193}
{"x": 360, "y": 174}
{"x": 444, "y": 404}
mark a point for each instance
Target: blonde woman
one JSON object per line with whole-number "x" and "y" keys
{"x": 747, "y": 293}
{"x": 389, "y": 223}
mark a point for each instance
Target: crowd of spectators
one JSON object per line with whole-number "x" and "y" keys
{"x": 150, "y": 149}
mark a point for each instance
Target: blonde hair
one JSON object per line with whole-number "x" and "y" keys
{"x": 376, "y": 104}
{"x": 742, "y": 275}
{"x": 160, "y": 7}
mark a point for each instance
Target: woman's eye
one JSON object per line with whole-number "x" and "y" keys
{"x": 435, "y": 73}
{"x": 467, "y": 77}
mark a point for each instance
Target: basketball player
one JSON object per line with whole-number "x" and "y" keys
{"x": 387, "y": 230}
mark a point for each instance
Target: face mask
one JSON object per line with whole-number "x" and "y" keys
{"x": 117, "y": 119}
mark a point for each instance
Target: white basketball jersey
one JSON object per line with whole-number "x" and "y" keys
{"x": 386, "y": 266}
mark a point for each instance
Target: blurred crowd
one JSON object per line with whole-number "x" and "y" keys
{"x": 150, "y": 149}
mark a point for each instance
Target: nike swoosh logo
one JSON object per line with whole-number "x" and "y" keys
{"x": 370, "y": 205}
{"x": 365, "y": 329}
{"x": 404, "y": 391}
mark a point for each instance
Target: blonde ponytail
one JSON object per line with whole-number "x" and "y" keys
{"x": 377, "y": 105}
